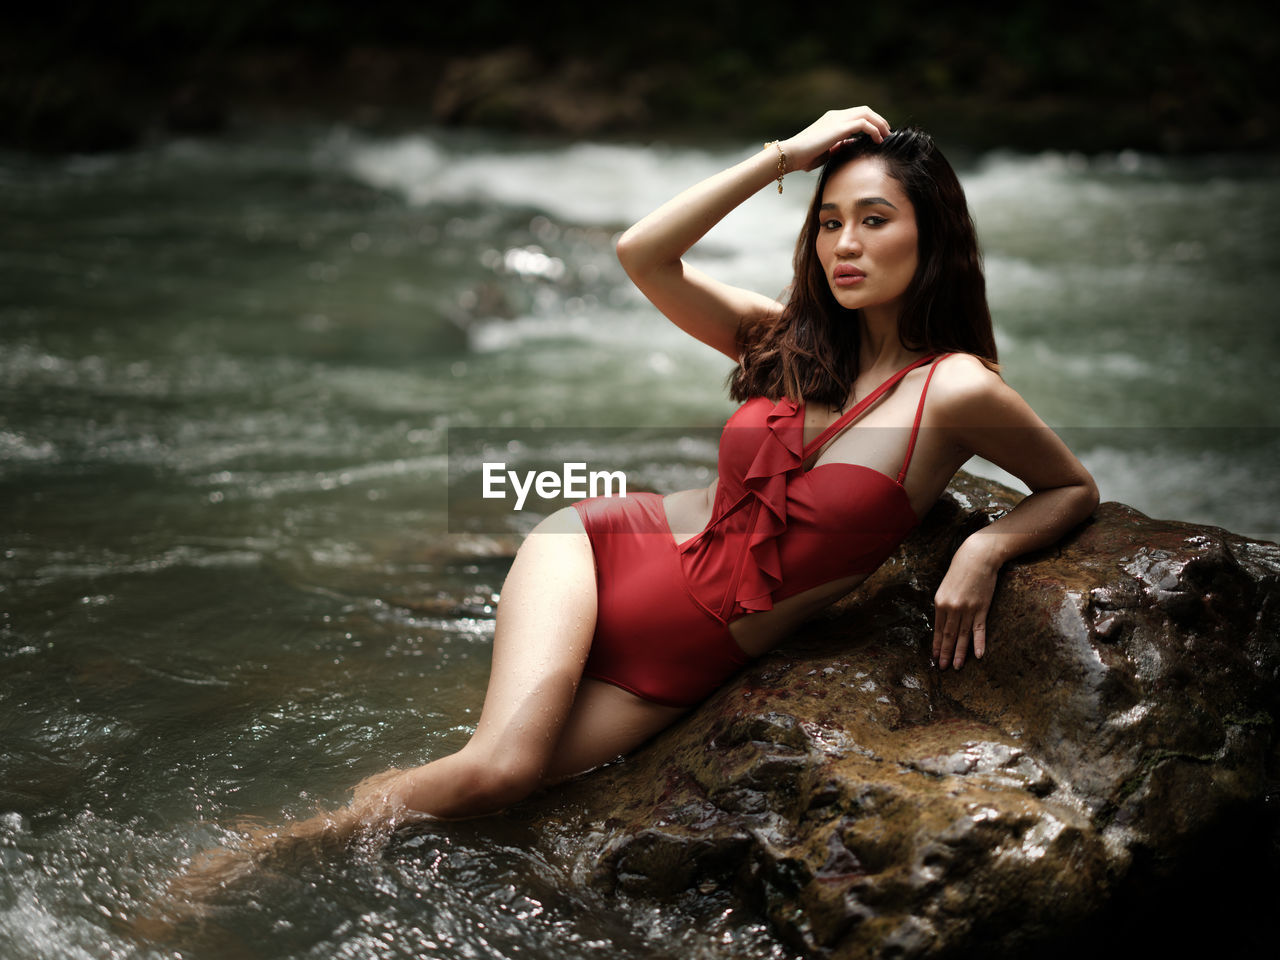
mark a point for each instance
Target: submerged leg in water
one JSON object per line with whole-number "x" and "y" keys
{"x": 541, "y": 722}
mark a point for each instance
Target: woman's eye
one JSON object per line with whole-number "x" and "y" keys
{"x": 875, "y": 221}
{"x": 830, "y": 224}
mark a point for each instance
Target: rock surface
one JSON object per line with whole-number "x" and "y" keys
{"x": 869, "y": 804}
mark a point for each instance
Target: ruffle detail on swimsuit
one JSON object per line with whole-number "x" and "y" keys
{"x": 747, "y": 521}
{"x": 779, "y": 455}
{"x": 735, "y": 564}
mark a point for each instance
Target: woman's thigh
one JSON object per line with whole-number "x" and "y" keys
{"x": 545, "y": 621}
{"x": 539, "y": 712}
{"x": 606, "y": 722}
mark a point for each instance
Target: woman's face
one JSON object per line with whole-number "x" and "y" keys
{"x": 867, "y": 242}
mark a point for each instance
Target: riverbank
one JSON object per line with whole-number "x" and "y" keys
{"x": 94, "y": 103}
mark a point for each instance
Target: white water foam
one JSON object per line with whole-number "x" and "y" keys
{"x": 589, "y": 184}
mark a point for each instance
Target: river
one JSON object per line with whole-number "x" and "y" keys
{"x": 233, "y": 582}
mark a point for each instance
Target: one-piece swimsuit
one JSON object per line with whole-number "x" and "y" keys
{"x": 776, "y": 530}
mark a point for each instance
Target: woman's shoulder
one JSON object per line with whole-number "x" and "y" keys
{"x": 965, "y": 385}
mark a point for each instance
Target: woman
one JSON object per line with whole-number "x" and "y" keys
{"x": 887, "y": 311}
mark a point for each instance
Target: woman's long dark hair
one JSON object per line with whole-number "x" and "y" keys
{"x": 811, "y": 351}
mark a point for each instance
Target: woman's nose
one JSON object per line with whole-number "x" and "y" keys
{"x": 848, "y": 243}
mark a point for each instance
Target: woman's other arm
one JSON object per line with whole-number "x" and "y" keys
{"x": 990, "y": 419}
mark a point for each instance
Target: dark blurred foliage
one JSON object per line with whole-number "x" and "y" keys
{"x": 1165, "y": 74}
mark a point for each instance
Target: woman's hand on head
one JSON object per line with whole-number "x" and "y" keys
{"x": 809, "y": 148}
{"x": 962, "y": 603}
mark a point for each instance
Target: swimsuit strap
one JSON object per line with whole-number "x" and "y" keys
{"x": 861, "y": 406}
{"x": 915, "y": 428}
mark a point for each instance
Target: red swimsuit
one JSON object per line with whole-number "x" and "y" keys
{"x": 776, "y": 529}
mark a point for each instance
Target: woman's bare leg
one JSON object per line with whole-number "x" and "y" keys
{"x": 540, "y": 723}
{"x": 606, "y": 723}
{"x": 546, "y": 618}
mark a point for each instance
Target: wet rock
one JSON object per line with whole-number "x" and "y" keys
{"x": 869, "y": 804}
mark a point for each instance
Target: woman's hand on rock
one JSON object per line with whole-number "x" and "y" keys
{"x": 809, "y": 148}
{"x": 962, "y": 603}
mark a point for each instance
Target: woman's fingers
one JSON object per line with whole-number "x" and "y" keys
{"x": 956, "y": 630}
{"x": 843, "y": 124}
{"x": 939, "y": 636}
{"x": 961, "y": 605}
{"x": 946, "y": 635}
{"x": 878, "y": 126}
{"x": 811, "y": 147}
{"x": 955, "y": 641}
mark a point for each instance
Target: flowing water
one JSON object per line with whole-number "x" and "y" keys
{"x": 232, "y": 584}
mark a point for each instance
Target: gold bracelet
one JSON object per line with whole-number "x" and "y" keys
{"x": 782, "y": 161}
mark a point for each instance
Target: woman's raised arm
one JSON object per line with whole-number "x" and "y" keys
{"x": 651, "y": 250}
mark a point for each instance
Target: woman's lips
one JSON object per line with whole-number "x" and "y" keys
{"x": 847, "y": 275}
